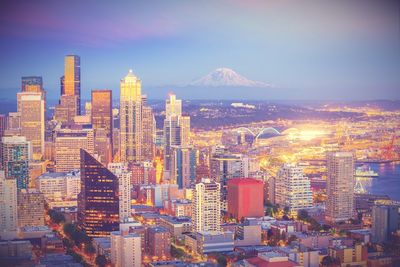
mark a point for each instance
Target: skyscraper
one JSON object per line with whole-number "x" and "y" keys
{"x": 8, "y": 204}
{"x": 31, "y": 208}
{"x": 101, "y": 117}
{"x": 292, "y": 188}
{"x": 206, "y": 214}
{"x": 65, "y": 112}
{"x": 148, "y": 132}
{"x": 184, "y": 123}
{"x": 183, "y": 166}
{"x": 67, "y": 145}
{"x": 15, "y": 159}
{"x": 32, "y": 84}
{"x": 172, "y": 137}
{"x": 131, "y": 118}
{"x": 126, "y": 250}
{"x": 245, "y": 198}
{"x": 31, "y": 107}
{"x": 385, "y": 221}
{"x": 72, "y": 79}
{"x": 173, "y": 106}
{"x": 225, "y": 166}
{"x": 340, "y": 186}
{"x": 124, "y": 175}
{"x": 98, "y": 201}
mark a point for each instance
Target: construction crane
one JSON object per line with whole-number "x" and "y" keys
{"x": 388, "y": 152}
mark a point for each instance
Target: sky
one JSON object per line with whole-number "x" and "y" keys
{"x": 345, "y": 50}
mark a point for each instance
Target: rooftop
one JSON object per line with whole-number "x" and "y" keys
{"x": 244, "y": 181}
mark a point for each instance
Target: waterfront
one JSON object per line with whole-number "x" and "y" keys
{"x": 388, "y": 182}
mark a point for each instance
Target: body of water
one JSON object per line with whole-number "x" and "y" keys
{"x": 388, "y": 182}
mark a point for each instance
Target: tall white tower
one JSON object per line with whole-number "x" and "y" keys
{"x": 292, "y": 188}
{"x": 124, "y": 182}
{"x": 340, "y": 186}
{"x": 206, "y": 214}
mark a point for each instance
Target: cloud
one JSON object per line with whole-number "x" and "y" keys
{"x": 90, "y": 25}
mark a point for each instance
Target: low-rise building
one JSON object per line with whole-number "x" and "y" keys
{"x": 356, "y": 255}
{"x": 159, "y": 242}
{"x": 176, "y": 225}
{"x": 207, "y": 242}
{"x": 248, "y": 235}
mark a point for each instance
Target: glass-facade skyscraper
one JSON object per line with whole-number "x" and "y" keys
{"x": 98, "y": 202}
{"x": 101, "y": 117}
{"x": 15, "y": 159}
{"x": 72, "y": 79}
{"x": 32, "y": 84}
{"x": 131, "y": 131}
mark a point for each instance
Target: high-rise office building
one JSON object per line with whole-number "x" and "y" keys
{"x": 385, "y": 221}
{"x": 101, "y": 118}
{"x": 15, "y": 158}
{"x": 3, "y": 125}
{"x": 13, "y": 124}
{"x": 62, "y": 79}
{"x": 176, "y": 131}
{"x": 159, "y": 242}
{"x": 72, "y": 79}
{"x": 173, "y": 106}
{"x": 65, "y": 112}
{"x": 206, "y": 213}
{"x": 32, "y": 84}
{"x": 225, "y": 166}
{"x": 172, "y": 137}
{"x": 183, "y": 166}
{"x": 149, "y": 124}
{"x": 31, "y": 107}
{"x": 245, "y": 198}
{"x": 124, "y": 188}
{"x": 8, "y": 204}
{"x": 184, "y": 123}
{"x": 31, "y": 208}
{"x": 98, "y": 201}
{"x": 292, "y": 188}
{"x": 340, "y": 186}
{"x": 131, "y": 119}
{"x": 126, "y": 249}
{"x": 67, "y": 145}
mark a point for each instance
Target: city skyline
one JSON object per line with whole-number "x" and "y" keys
{"x": 307, "y": 50}
{"x": 269, "y": 156}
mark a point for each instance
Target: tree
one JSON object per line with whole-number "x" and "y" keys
{"x": 303, "y": 215}
{"x": 286, "y": 210}
{"x": 77, "y": 257}
{"x": 177, "y": 252}
{"x": 329, "y": 261}
{"x": 101, "y": 261}
{"x": 89, "y": 248}
{"x": 221, "y": 260}
{"x": 56, "y": 217}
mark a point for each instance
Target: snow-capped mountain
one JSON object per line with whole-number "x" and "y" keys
{"x": 226, "y": 77}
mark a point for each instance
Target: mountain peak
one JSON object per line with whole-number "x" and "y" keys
{"x": 226, "y": 77}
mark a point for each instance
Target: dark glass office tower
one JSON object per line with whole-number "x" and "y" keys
{"x": 98, "y": 203}
{"x": 32, "y": 84}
